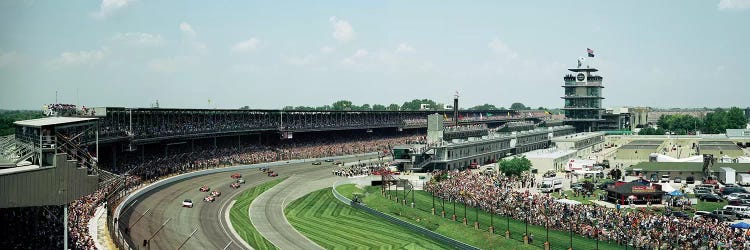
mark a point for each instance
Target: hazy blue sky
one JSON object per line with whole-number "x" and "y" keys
{"x": 267, "y": 54}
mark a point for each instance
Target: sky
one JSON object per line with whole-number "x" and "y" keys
{"x": 271, "y": 54}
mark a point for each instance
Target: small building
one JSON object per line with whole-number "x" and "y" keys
{"x": 550, "y": 159}
{"x": 638, "y": 150}
{"x": 625, "y": 193}
{"x": 584, "y": 143}
{"x": 654, "y": 170}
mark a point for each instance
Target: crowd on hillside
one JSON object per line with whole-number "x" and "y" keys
{"x": 639, "y": 229}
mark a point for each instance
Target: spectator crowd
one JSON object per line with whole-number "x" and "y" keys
{"x": 642, "y": 229}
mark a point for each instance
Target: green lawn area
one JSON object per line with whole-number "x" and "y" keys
{"x": 422, "y": 216}
{"x": 580, "y": 198}
{"x": 335, "y": 225}
{"x": 709, "y": 206}
{"x": 241, "y": 219}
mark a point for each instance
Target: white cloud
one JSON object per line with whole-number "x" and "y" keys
{"x": 734, "y": 4}
{"x": 247, "y": 45}
{"x": 81, "y": 57}
{"x": 360, "y": 53}
{"x": 139, "y": 39}
{"x": 326, "y": 50}
{"x": 110, "y": 6}
{"x": 299, "y": 61}
{"x": 502, "y": 49}
{"x": 342, "y": 30}
{"x": 8, "y": 58}
{"x": 187, "y": 29}
{"x": 405, "y": 48}
{"x": 171, "y": 64}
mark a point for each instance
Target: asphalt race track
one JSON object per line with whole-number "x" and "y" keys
{"x": 213, "y": 233}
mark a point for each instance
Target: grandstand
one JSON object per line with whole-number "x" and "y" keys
{"x": 720, "y": 148}
{"x": 638, "y": 150}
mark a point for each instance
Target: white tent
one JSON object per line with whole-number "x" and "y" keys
{"x": 666, "y": 158}
{"x": 570, "y": 202}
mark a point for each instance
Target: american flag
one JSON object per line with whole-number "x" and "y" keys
{"x": 590, "y": 52}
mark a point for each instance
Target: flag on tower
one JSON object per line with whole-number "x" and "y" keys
{"x": 590, "y": 52}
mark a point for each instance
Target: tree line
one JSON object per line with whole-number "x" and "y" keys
{"x": 716, "y": 122}
{"x": 7, "y": 117}
{"x": 412, "y": 105}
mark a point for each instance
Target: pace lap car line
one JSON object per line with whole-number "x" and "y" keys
{"x": 236, "y": 176}
{"x": 235, "y": 185}
{"x": 204, "y": 189}
{"x": 187, "y": 203}
{"x": 215, "y": 193}
{"x": 209, "y": 199}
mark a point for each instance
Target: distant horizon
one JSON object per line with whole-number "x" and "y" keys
{"x": 268, "y": 55}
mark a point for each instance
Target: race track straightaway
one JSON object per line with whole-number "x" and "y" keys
{"x": 213, "y": 233}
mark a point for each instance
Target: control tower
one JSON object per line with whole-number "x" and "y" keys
{"x": 583, "y": 99}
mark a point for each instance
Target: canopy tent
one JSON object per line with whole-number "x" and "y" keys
{"x": 569, "y": 202}
{"x": 676, "y": 193}
{"x": 667, "y": 188}
{"x": 742, "y": 225}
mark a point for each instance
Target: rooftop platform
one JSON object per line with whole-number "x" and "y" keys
{"x": 48, "y": 121}
{"x": 549, "y": 153}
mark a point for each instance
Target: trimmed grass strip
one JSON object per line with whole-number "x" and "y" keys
{"x": 334, "y": 225}
{"x": 241, "y": 218}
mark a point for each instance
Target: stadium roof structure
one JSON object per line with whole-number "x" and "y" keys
{"x": 646, "y": 142}
{"x": 48, "y": 121}
{"x": 549, "y": 153}
{"x": 688, "y": 166}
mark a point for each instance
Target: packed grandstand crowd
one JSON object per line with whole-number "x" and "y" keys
{"x": 639, "y": 229}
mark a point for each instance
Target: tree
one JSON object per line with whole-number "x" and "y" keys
{"x": 7, "y": 118}
{"x": 342, "y": 105}
{"x": 416, "y": 104}
{"x": 393, "y": 107}
{"x": 518, "y": 106}
{"x": 365, "y": 107}
{"x": 485, "y": 106}
{"x": 515, "y": 166}
{"x": 245, "y": 107}
{"x": 541, "y": 108}
{"x": 378, "y": 107}
{"x": 288, "y": 108}
{"x": 651, "y": 131}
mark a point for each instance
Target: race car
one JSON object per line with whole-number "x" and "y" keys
{"x": 235, "y": 185}
{"x": 236, "y": 176}
{"x": 241, "y": 181}
{"x": 263, "y": 169}
{"x": 316, "y": 163}
{"x": 272, "y": 174}
{"x": 204, "y": 189}
{"x": 329, "y": 160}
{"x": 187, "y": 203}
{"x": 215, "y": 193}
{"x": 209, "y": 199}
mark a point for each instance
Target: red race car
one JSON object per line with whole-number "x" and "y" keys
{"x": 235, "y": 185}
{"x": 209, "y": 199}
{"x": 236, "y": 176}
{"x": 215, "y": 193}
{"x": 204, "y": 189}
{"x": 272, "y": 174}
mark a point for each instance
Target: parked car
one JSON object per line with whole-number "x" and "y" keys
{"x": 606, "y": 184}
{"x": 731, "y": 190}
{"x": 739, "y": 211}
{"x": 677, "y": 180}
{"x": 690, "y": 180}
{"x": 699, "y": 214}
{"x": 710, "y": 197}
{"x": 549, "y": 174}
{"x": 678, "y": 214}
{"x": 725, "y": 215}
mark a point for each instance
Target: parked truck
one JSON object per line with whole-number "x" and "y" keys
{"x": 551, "y": 185}
{"x": 743, "y": 179}
{"x": 727, "y": 175}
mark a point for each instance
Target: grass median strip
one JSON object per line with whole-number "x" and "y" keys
{"x": 334, "y": 225}
{"x": 421, "y": 215}
{"x": 241, "y": 219}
